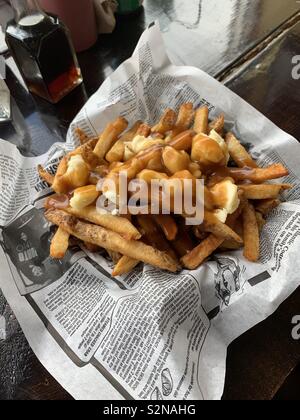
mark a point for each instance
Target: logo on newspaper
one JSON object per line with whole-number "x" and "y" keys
{"x": 2, "y": 68}
{"x": 296, "y": 329}
{"x": 181, "y": 196}
{"x": 228, "y": 278}
{"x": 296, "y": 67}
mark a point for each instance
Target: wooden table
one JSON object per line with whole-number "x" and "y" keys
{"x": 247, "y": 44}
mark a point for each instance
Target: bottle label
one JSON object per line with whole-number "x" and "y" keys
{"x": 127, "y": 6}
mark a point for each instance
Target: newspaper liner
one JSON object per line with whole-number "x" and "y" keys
{"x": 150, "y": 334}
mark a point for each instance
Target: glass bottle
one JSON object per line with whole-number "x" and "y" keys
{"x": 43, "y": 50}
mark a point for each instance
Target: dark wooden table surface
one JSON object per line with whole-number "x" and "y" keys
{"x": 247, "y": 44}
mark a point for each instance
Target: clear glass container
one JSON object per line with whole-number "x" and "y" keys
{"x": 42, "y": 48}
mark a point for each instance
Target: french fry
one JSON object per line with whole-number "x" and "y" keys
{"x": 116, "y": 153}
{"x": 83, "y": 138}
{"x": 144, "y": 130}
{"x": 183, "y": 141}
{"x": 166, "y": 123}
{"x": 153, "y": 236}
{"x": 124, "y": 266}
{"x": 231, "y": 244}
{"x": 91, "y": 143}
{"x": 199, "y": 254}
{"x": 201, "y": 120}
{"x": 256, "y": 175}
{"x": 219, "y": 229}
{"x": 251, "y": 234}
{"x": 260, "y": 221}
{"x": 184, "y": 120}
{"x": 45, "y": 175}
{"x": 204, "y": 250}
{"x": 109, "y": 136}
{"x": 59, "y": 184}
{"x": 168, "y": 226}
{"x": 117, "y": 224}
{"x": 88, "y": 155}
{"x": 266, "y": 206}
{"x": 59, "y": 244}
{"x": 238, "y": 152}
{"x": 262, "y": 191}
{"x": 111, "y": 241}
{"x": 217, "y": 124}
{"x": 183, "y": 243}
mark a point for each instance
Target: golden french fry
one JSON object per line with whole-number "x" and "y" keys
{"x": 58, "y": 183}
{"x": 251, "y": 234}
{"x": 261, "y": 192}
{"x": 238, "y": 152}
{"x": 117, "y": 224}
{"x": 153, "y": 236}
{"x": 84, "y": 197}
{"x": 144, "y": 130}
{"x": 109, "y": 136}
{"x": 255, "y": 175}
{"x": 111, "y": 241}
{"x": 183, "y": 141}
{"x": 217, "y": 124}
{"x": 168, "y": 226}
{"x": 184, "y": 120}
{"x": 124, "y": 266}
{"x": 90, "y": 144}
{"x": 266, "y": 206}
{"x": 59, "y": 244}
{"x": 201, "y": 120}
{"x": 116, "y": 153}
{"x": 260, "y": 221}
{"x": 231, "y": 244}
{"x": 45, "y": 175}
{"x": 83, "y": 138}
{"x": 166, "y": 123}
{"x": 219, "y": 229}
{"x": 183, "y": 243}
{"x": 199, "y": 254}
{"x": 88, "y": 155}
{"x": 147, "y": 175}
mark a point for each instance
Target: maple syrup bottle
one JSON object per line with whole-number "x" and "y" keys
{"x": 43, "y": 51}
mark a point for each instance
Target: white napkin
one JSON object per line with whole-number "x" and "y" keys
{"x": 105, "y": 13}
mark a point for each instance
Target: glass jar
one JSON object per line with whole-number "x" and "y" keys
{"x": 43, "y": 51}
